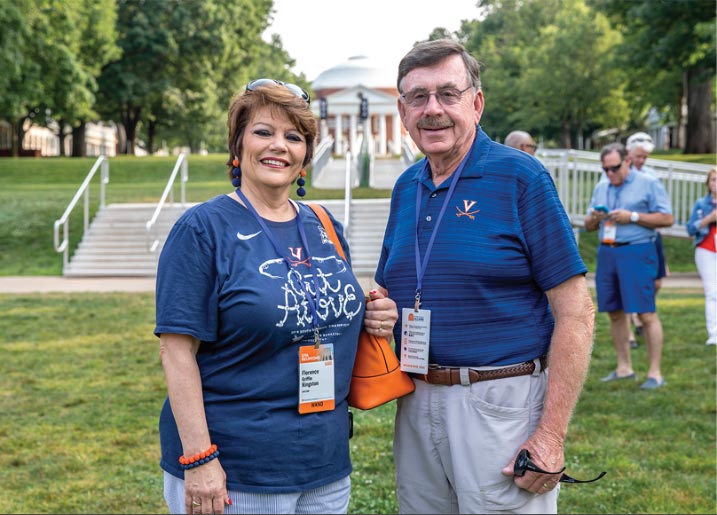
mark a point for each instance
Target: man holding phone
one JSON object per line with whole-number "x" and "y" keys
{"x": 627, "y": 210}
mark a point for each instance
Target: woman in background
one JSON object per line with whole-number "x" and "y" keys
{"x": 702, "y": 229}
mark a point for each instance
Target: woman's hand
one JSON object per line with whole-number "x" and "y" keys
{"x": 381, "y": 314}
{"x": 205, "y": 489}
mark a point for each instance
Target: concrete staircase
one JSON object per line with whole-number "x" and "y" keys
{"x": 365, "y": 232}
{"x": 116, "y": 243}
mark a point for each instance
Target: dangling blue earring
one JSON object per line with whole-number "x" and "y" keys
{"x": 300, "y": 181}
{"x": 236, "y": 173}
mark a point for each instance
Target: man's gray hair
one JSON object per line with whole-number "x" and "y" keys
{"x": 614, "y": 147}
{"x": 429, "y": 53}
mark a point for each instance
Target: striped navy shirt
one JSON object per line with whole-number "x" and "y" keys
{"x": 504, "y": 240}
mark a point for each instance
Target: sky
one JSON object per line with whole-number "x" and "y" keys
{"x": 319, "y": 34}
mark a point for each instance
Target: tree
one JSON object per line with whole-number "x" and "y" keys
{"x": 675, "y": 37}
{"x": 545, "y": 63}
{"x": 13, "y": 61}
{"x": 50, "y": 74}
{"x": 97, "y": 46}
{"x": 571, "y": 77}
{"x": 182, "y": 61}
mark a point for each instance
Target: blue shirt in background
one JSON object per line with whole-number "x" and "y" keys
{"x": 639, "y": 192}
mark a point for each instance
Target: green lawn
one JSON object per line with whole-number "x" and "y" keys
{"x": 81, "y": 384}
{"x": 81, "y": 387}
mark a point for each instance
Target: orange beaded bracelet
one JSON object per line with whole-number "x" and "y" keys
{"x": 200, "y": 458}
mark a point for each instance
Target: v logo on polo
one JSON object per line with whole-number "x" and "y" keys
{"x": 296, "y": 253}
{"x": 247, "y": 236}
{"x": 466, "y": 211}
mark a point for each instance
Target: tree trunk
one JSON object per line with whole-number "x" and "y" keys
{"x": 151, "y": 131}
{"x": 700, "y": 133}
{"x": 131, "y": 120}
{"x": 18, "y": 136}
{"x": 679, "y": 133}
{"x": 121, "y": 139}
{"x": 61, "y": 136}
{"x": 565, "y": 134}
{"x": 79, "y": 148}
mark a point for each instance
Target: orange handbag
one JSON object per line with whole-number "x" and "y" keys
{"x": 377, "y": 377}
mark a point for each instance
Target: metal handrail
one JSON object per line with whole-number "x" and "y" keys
{"x": 347, "y": 192}
{"x": 83, "y": 189}
{"x": 180, "y": 165}
{"x": 322, "y": 154}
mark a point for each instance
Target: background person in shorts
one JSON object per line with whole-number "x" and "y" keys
{"x": 627, "y": 263}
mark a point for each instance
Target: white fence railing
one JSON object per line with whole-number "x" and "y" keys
{"x": 577, "y": 172}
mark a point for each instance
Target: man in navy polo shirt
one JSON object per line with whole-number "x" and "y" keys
{"x": 631, "y": 206}
{"x": 480, "y": 257}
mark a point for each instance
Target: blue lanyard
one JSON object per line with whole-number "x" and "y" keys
{"x": 312, "y": 300}
{"x": 422, "y": 265}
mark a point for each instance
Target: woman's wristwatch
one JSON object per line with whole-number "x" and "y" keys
{"x": 635, "y": 217}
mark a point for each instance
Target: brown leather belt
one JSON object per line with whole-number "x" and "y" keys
{"x": 449, "y": 376}
{"x": 616, "y": 244}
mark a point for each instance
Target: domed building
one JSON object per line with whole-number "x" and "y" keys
{"x": 338, "y": 96}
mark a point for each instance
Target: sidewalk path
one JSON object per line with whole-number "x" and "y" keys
{"x": 49, "y": 284}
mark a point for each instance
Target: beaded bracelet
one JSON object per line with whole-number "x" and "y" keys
{"x": 199, "y": 459}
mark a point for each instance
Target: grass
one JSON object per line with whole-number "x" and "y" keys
{"x": 35, "y": 193}
{"x": 81, "y": 387}
{"x": 677, "y": 155}
{"x": 81, "y": 384}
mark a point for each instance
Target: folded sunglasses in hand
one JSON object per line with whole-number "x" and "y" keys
{"x": 523, "y": 463}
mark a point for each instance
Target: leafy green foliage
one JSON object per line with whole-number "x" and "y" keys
{"x": 181, "y": 63}
{"x": 671, "y": 46}
{"x": 58, "y": 49}
{"x": 546, "y": 64}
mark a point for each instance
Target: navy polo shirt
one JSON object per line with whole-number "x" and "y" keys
{"x": 504, "y": 240}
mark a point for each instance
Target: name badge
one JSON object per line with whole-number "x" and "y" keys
{"x": 609, "y": 232}
{"x": 415, "y": 337}
{"x": 316, "y": 378}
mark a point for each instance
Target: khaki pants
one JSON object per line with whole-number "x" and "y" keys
{"x": 451, "y": 442}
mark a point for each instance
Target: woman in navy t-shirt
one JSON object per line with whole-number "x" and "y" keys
{"x": 258, "y": 319}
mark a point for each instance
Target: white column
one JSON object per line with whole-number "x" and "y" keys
{"x": 339, "y": 149}
{"x": 353, "y": 135}
{"x": 382, "y": 134}
{"x": 324, "y": 130}
{"x": 396, "y": 134}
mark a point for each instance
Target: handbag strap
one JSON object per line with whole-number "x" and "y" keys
{"x": 328, "y": 226}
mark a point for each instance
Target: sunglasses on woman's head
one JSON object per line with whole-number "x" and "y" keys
{"x": 296, "y": 90}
